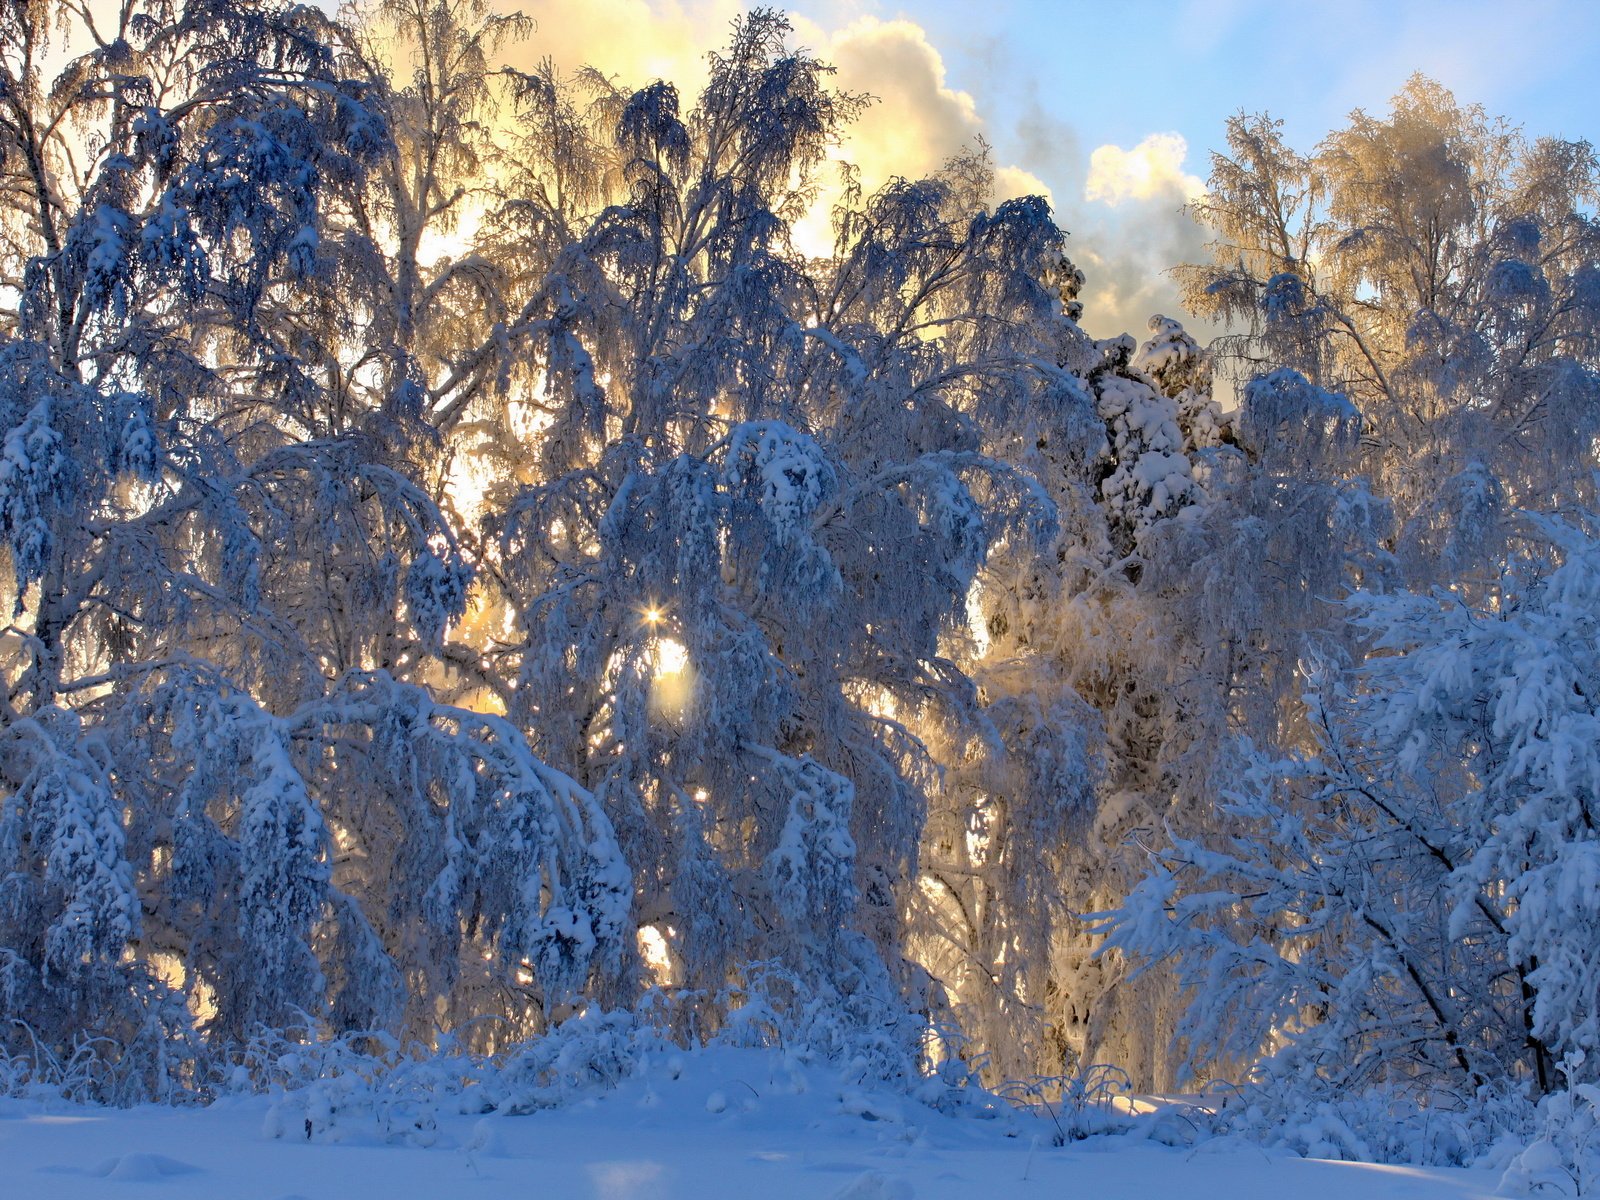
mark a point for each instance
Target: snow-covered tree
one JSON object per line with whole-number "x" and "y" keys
{"x": 1396, "y": 406}
{"x": 215, "y": 539}
{"x": 1438, "y": 269}
{"x": 1413, "y": 901}
{"x": 162, "y": 168}
{"x": 763, "y": 488}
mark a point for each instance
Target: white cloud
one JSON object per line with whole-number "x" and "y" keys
{"x": 1151, "y": 170}
{"x": 638, "y": 41}
{"x": 916, "y": 121}
{"x": 1132, "y": 229}
{"x": 1010, "y": 182}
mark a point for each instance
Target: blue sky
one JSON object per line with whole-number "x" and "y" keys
{"x": 1120, "y": 70}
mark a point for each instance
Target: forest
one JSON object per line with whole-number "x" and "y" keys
{"x": 469, "y": 571}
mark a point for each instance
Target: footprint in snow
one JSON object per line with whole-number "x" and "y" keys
{"x": 139, "y": 1167}
{"x": 873, "y": 1186}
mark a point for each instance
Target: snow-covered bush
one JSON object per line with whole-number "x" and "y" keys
{"x": 591, "y": 1051}
{"x": 1559, "y": 1154}
{"x": 355, "y": 1087}
{"x": 1375, "y": 1125}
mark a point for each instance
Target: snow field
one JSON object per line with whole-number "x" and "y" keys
{"x": 722, "y": 1123}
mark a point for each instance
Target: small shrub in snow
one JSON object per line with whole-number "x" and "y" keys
{"x": 860, "y": 1028}
{"x": 1078, "y": 1106}
{"x": 356, "y": 1088}
{"x": 591, "y": 1052}
{"x": 1564, "y": 1158}
{"x": 1377, "y": 1125}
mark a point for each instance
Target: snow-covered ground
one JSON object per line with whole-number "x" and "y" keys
{"x": 716, "y": 1124}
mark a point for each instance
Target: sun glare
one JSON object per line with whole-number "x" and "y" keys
{"x": 977, "y": 625}
{"x": 672, "y": 682}
{"x": 672, "y": 657}
{"x": 879, "y": 701}
{"x": 655, "y": 950}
